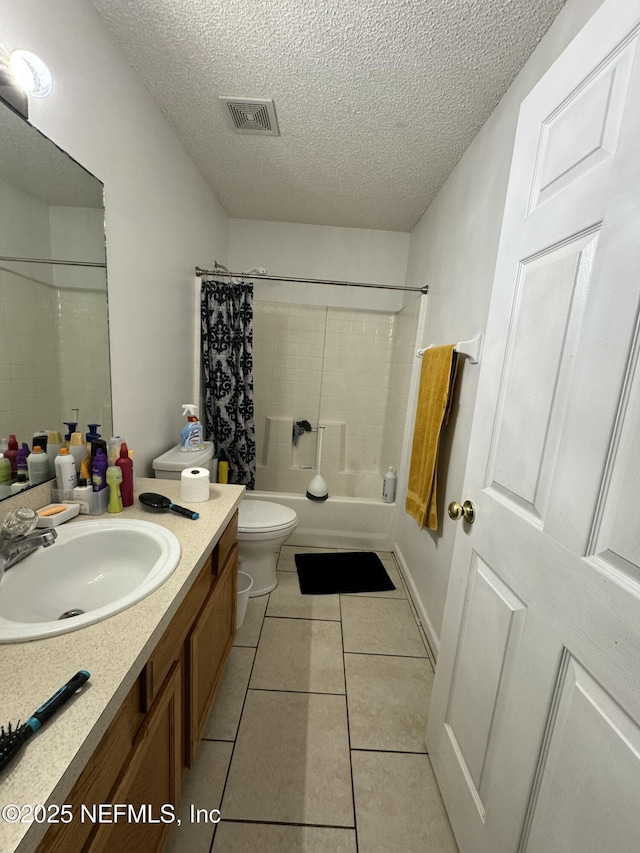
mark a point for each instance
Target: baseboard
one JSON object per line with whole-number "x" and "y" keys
{"x": 423, "y": 616}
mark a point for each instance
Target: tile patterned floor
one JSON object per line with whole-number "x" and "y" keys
{"x": 316, "y": 738}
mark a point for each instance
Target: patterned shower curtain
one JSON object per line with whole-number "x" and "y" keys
{"x": 226, "y": 312}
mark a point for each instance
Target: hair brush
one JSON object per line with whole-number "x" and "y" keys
{"x": 12, "y": 739}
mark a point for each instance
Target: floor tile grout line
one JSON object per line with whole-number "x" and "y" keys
{"x": 346, "y": 703}
{"x": 388, "y": 751}
{"x": 235, "y": 739}
{"x": 297, "y": 692}
{"x": 307, "y": 618}
{"x": 290, "y": 823}
{"x": 389, "y": 655}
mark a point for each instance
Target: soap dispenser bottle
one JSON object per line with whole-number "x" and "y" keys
{"x": 91, "y": 436}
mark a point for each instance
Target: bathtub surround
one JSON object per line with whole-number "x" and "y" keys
{"x": 344, "y": 368}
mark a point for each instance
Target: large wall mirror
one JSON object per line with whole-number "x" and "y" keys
{"x": 54, "y": 334}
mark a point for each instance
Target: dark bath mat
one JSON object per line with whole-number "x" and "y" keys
{"x": 353, "y": 571}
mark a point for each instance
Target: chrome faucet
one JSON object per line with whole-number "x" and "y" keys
{"x": 18, "y": 537}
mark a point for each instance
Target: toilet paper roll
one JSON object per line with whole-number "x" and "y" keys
{"x": 194, "y": 485}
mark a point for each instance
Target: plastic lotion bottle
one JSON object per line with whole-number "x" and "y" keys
{"x": 54, "y": 443}
{"x": 389, "y": 486}
{"x": 99, "y": 471}
{"x": 114, "y": 478}
{"x": 38, "y": 465}
{"x": 82, "y": 495}
{"x": 77, "y": 449}
{"x": 125, "y": 463}
{"x": 11, "y": 453}
{"x": 22, "y": 458}
{"x": 66, "y": 477}
{"x": 115, "y": 443}
{"x": 5, "y": 470}
{"x": 191, "y": 434}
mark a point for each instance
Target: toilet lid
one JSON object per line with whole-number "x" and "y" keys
{"x": 264, "y": 515}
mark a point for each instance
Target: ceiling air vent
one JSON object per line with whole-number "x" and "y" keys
{"x": 252, "y": 115}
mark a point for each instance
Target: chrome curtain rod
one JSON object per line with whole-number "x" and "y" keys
{"x": 261, "y": 277}
{"x": 61, "y": 263}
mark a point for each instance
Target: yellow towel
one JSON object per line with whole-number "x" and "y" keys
{"x": 437, "y": 378}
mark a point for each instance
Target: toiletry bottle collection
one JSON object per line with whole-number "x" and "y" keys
{"x": 88, "y": 471}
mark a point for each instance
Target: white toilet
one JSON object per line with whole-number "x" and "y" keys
{"x": 263, "y": 527}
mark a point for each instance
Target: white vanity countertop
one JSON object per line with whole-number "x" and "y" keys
{"x": 114, "y": 651}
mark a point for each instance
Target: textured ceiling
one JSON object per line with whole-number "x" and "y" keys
{"x": 376, "y": 99}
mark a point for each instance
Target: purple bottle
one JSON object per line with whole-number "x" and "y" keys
{"x": 21, "y": 459}
{"x": 99, "y": 471}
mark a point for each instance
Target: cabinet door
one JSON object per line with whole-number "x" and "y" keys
{"x": 151, "y": 780}
{"x": 98, "y": 779}
{"x": 208, "y": 647}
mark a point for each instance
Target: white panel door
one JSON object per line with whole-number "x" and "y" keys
{"x": 534, "y": 727}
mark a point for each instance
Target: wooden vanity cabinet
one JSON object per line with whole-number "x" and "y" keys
{"x": 155, "y": 734}
{"x": 208, "y": 646}
{"x": 151, "y": 778}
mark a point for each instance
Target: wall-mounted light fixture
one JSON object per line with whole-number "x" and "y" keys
{"x": 22, "y": 74}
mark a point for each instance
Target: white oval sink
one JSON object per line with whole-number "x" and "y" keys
{"x": 98, "y": 567}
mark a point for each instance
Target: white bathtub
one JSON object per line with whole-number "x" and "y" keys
{"x": 358, "y": 523}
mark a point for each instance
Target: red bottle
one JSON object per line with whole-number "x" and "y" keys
{"x": 11, "y": 454}
{"x": 126, "y": 464}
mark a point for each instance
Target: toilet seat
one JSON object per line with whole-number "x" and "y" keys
{"x": 259, "y": 517}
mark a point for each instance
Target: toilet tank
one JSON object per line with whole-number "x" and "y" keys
{"x": 171, "y": 464}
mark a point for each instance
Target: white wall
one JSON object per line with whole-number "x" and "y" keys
{"x": 325, "y": 252}
{"x": 162, "y": 219}
{"x": 454, "y": 248}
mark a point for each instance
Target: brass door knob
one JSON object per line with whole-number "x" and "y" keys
{"x": 455, "y": 511}
{"x": 467, "y": 511}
